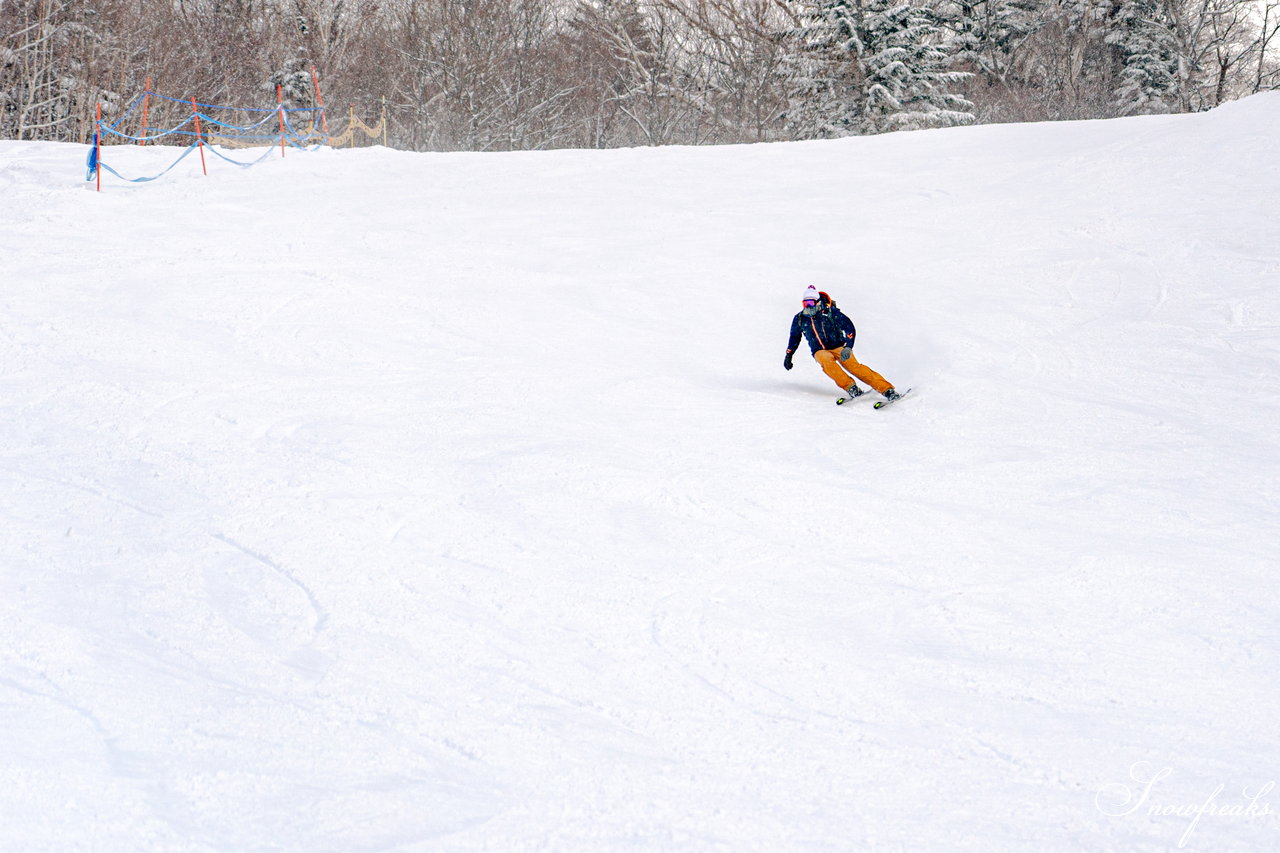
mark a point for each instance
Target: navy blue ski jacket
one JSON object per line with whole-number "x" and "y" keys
{"x": 827, "y": 329}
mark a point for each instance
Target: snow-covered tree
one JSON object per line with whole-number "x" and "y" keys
{"x": 1143, "y": 32}
{"x": 1268, "y": 75}
{"x": 826, "y": 93}
{"x": 988, "y": 34}
{"x": 869, "y": 66}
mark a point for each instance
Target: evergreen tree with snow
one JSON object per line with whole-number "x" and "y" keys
{"x": 988, "y": 33}
{"x": 1144, "y": 33}
{"x": 870, "y": 66}
{"x": 825, "y": 92}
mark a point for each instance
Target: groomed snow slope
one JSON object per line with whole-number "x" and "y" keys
{"x": 368, "y": 500}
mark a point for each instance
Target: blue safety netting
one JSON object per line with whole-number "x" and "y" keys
{"x": 215, "y": 125}
{"x": 93, "y": 158}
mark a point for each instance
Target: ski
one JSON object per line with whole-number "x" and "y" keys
{"x": 842, "y": 400}
{"x": 880, "y": 404}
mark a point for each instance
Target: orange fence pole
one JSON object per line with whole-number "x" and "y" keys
{"x": 319, "y": 100}
{"x": 280, "y": 102}
{"x": 146, "y": 104}
{"x": 97, "y": 146}
{"x": 199, "y": 138}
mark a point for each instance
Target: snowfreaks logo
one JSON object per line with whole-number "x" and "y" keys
{"x": 1122, "y": 799}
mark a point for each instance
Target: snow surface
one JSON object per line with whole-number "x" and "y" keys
{"x": 366, "y": 500}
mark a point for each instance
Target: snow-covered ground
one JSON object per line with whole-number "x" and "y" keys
{"x": 366, "y": 500}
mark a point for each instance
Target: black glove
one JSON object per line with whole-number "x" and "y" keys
{"x": 786, "y": 362}
{"x": 845, "y": 353}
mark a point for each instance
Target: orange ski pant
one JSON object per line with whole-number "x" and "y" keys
{"x": 840, "y": 371}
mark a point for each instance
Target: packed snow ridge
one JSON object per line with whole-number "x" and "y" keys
{"x": 367, "y": 500}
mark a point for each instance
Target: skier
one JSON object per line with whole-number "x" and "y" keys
{"x": 830, "y": 335}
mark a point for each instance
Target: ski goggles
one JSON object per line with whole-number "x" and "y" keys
{"x": 809, "y": 303}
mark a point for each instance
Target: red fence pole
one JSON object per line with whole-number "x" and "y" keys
{"x": 319, "y": 100}
{"x": 280, "y": 107}
{"x": 97, "y": 146}
{"x": 199, "y": 138}
{"x": 146, "y": 104}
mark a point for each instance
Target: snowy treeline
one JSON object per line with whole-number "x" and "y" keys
{"x": 519, "y": 74}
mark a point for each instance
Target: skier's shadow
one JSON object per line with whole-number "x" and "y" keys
{"x": 782, "y": 387}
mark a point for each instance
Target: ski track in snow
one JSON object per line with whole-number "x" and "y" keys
{"x": 371, "y": 501}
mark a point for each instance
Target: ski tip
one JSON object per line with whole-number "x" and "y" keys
{"x": 880, "y": 404}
